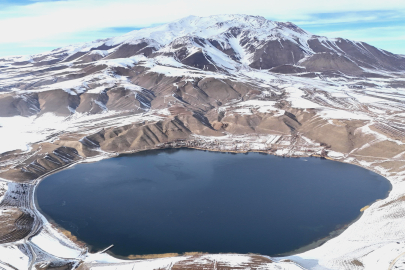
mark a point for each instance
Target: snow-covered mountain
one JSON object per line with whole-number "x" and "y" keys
{"x": 229, "y": 41}
{"x": 223, "y": 83}
{"x": 224, "y": 45}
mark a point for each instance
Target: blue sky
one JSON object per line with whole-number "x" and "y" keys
{"x": 34, "y": 26}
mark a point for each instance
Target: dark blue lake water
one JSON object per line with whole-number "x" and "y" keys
{"x": 188, "y": 200}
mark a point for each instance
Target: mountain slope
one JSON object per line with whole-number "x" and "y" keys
{"x": 222, "y": 83}
{"x": 246, "y": 40}
{"x": 125, "y": 72}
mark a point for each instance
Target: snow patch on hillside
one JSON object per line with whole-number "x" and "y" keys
{"x": 15, "y": 257}
{"x": 341, "y": 114}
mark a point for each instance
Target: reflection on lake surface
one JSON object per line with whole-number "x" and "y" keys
{"x": 187, "y": 200}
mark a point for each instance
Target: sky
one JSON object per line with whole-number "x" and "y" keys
{"x": 35, "y": 26}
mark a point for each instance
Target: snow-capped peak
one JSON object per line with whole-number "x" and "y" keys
{"x": 212, "y": 26}
{"x": 230, "y": 42}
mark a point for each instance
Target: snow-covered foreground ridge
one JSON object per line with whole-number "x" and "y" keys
{"x": 223, "y": 83}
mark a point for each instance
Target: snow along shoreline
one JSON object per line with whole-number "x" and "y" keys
{"x": 54, "y": 242}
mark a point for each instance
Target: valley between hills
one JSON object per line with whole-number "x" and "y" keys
{"x": 231, "y": 83}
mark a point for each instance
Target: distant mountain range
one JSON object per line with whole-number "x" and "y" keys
{"x": 95, "y": 76}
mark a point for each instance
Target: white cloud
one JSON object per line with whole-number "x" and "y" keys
{"x": 370, "y": 34}
{"x": 47, "y": 19}
{"x": 53, "y": 21}
{"x": 341, "y": 19}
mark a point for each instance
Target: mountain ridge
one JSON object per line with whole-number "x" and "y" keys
{"x": 248, "y": 40}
